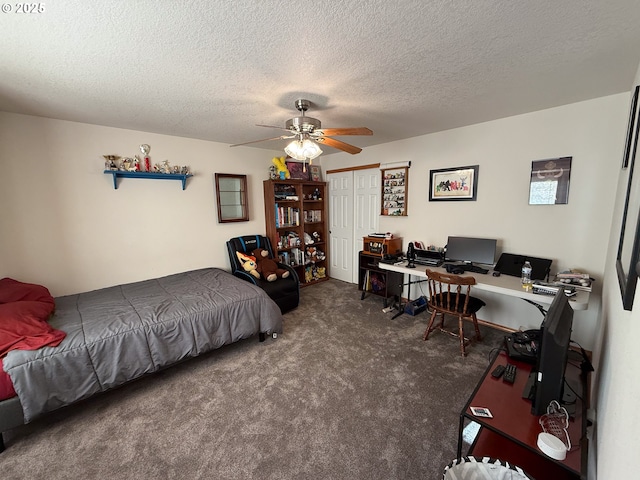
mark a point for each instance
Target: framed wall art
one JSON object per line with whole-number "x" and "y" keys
{"x": 394, "y": 191}
{"x": 627, "y": 265}
{"x": 632, "y": 128}
{"x": 453, "y": 184}
{"x": 315, "y": 173}
{"x": 298, "y": 170}
{"x": 549, "y": 184}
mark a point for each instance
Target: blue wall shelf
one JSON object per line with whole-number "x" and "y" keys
{"x": 156, "y": 176}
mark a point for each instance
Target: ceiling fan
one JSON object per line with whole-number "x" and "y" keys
{"x": 306, "y": 130}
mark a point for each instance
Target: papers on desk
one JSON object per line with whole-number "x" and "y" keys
{"x": 578, "y": 280}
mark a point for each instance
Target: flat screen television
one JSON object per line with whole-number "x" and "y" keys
{"x": 471, "y": 250}
{"x": 555, "y": 337}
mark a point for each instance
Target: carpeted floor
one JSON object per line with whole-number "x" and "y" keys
{"x": 345, "y": 393}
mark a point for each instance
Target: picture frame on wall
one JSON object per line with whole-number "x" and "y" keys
{"x": 453, "y": 184}
{"x": 627, "y": 258}
{"x": 315, "y": 172}
{"x": 394, "y": 191}
{"x": 298, "y": 170}
{"x": 632, "y": 129}
{"x": 549, "y": 183}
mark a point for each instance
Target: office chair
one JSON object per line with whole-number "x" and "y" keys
{"x": 284, "y": 291}
{"x": 446, "y": 297}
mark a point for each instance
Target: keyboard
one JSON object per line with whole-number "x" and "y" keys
{"x": 469, "y": 268}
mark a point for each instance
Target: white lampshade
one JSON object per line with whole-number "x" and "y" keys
{"x": 303, "y": 149}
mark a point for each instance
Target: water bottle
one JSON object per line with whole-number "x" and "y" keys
{"x": 526, "y": 276}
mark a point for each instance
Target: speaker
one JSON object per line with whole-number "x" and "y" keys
{"x": 411, "y": 255}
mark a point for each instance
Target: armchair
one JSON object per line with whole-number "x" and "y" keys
{"x": 284, "y": 291}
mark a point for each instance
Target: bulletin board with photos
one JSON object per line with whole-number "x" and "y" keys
{"x": 395, "y": 191}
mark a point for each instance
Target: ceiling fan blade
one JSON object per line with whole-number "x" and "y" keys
{"x": 281, "y": 137}
{"x": 332, "y": 132}
{"x": 272, "y": 126}
{"x": 332, "y": 142}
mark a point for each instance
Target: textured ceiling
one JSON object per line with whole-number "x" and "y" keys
{"x": 214, "y": 69}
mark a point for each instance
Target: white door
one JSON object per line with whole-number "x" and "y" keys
{"x": 366, "y": 186}
{"x": 341, "y": 225}
{"x": 354, "y": 209}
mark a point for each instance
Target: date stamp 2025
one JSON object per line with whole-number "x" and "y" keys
{"x": 22, "y": 8}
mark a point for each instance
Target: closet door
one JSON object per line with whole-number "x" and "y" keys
{"x": 354, "y": 203}
{"x": 341, "y": 225}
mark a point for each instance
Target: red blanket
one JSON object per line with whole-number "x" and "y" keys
{"x": 24, "y": 311}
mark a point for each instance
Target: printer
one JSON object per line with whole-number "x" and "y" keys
{"x": 429, "y": 258}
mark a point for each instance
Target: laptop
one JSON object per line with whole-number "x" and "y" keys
{"x": 511, "y": 264}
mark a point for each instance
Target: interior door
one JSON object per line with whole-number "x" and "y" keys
{"x": 341, "y": 225}
{"x": 367, "y": 209}
{"x": 354, "y": 209}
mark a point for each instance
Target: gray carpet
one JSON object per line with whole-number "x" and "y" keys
{"x": 345, "y": 393}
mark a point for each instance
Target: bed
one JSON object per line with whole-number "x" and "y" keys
{"x": 117, "y": 334}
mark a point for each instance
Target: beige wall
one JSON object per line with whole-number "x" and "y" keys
{"x": 65, "y": 226}
{"x": 575, "y": 235}
{"x": 617, "y": 385}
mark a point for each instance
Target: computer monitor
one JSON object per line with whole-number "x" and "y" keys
{"x": 553, "y": 353}
{"x": 471, "y": 250}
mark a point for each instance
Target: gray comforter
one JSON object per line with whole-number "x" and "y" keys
{"x": 120, "y": 333}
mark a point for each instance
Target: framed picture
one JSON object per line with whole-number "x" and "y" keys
{"x": 453, "y": 184}
{"x": 394, "y": 191}
{"x": 549, "y": 183}
{"x": 632, "y": 129}
{"x": 315, "y": 172}
{"x": 298, "y": 170}
{"x": 627, "y": 266}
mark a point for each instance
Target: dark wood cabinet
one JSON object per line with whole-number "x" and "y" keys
{"x": 372, "y": 279}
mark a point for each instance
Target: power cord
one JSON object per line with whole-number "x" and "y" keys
{"x": 586, "y": 366}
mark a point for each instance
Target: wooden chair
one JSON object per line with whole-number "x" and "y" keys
{"x": 446, "y": 297}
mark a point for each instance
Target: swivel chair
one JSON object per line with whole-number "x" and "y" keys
{"x": 285, "y": 292}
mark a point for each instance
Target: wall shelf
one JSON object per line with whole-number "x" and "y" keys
{"x": 151, "y": 175}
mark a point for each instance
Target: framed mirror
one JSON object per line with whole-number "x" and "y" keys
{"x": 231, "y": 195}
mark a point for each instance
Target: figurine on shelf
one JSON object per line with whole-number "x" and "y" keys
{"x": 166, "y": 168}
{"x": 136, "y": 164}
{"x": 184, "y": 170}
{"x": 126, "y": 163}
{"x": 110, "y": 162}
{"x": 176, "y": 169}
{"x": 145, "y": 149}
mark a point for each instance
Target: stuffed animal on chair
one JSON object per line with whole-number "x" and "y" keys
{"x": 248, "y": 264}
{"x": 268, "y": 267}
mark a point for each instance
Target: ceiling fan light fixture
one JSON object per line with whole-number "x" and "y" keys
{"x": 303, "y": 150}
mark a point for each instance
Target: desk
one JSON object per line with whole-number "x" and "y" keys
{"x": 504, "y": 285}
{"x": 512, "y": 433}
